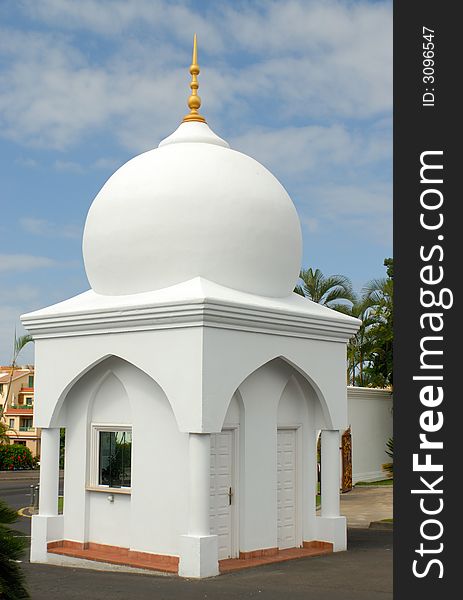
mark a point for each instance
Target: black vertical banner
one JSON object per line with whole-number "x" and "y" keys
{"x": 428, "y": 268}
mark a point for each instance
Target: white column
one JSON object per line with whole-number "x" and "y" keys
{"x": 198, "y": 548}
{"x": 49, "y": 472}
{"x": 330, "y": 457}
{"x": 200, "y": 467}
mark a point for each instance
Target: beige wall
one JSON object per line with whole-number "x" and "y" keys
{"x": 20, "y": 424}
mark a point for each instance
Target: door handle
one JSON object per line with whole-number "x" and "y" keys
{"x": 230, "y": 494}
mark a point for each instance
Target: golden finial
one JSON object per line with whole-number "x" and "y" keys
{"x": 194, "y": 101}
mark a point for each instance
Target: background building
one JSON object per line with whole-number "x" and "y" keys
{"x": 17, "y": 406}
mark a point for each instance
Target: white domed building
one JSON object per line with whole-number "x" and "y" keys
{"x": 191, "y": 380}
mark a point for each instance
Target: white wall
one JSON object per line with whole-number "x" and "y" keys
{"x": 198, "y": 368}
{"x": 115, "y": 392}
{"x": 298, "y": 407}
{"x": 274, "y": 395}
{"x": 370, "y": 417}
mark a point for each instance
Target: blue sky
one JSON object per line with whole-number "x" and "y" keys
{"x": 305, "y": 87}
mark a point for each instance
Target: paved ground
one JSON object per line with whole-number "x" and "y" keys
{"x": 363, "y": 505}
{"x": 362, "y": 573}
{"x": 15, "y": 491}
{"x": 17, "y": 494}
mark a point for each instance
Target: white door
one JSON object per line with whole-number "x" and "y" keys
{"x": 221, "y": 509}
{"x": 286, "y": 487}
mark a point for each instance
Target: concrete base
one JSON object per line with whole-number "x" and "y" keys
{"x": 44, "y": 529}
{"x": 198, "y": 556}
{"x": 332, "y": 529}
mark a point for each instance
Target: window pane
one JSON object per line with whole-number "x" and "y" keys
{"x": 123, "y": 456}
{"x": 115, "y": 458}
{"x": 105, "y": 458}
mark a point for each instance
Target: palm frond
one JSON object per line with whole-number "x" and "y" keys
{"x": 20, "y": 342}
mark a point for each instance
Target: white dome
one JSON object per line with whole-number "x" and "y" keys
{"x": 190, "y": 208}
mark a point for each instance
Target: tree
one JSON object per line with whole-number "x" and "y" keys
{"x": 380, "y": 295}
{"x": 360, "y": 345}
{"x": 4, "y": 437}
{"x": 370, "y": 350}
{"x": 389, "y": 264}
{"x": 19, "y": 343}
{"x": 12, "y": 546}
{"x": 330, "y": 291}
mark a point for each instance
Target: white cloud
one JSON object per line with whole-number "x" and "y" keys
{"x": 298, "y": 151}
{"x": 18, "y": 294}
{"x": 107, "y": 163}
{"x": 29, "y": 163}
{"x": 308, "y": 60}
{"x": 309, "y": 224}
{"x": 364, "y": 211}
{"x": 344, "y": 200}
{"x": 46, "y": 228}
{"x": 111, "y": 18}
{"x": 24, "y": 262}
{"x": 68, "y": 165}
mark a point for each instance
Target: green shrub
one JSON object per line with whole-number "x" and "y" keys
{"x": 14, "y": 457}
{"x": 12, "y": 546}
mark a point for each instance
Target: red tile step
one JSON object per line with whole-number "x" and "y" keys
{"x": 115, "y": 555}
{"x": 169, "y": 564}
{"x": 268, "y": 556}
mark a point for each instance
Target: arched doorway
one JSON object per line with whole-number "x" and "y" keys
{"x": 224, "y": 494}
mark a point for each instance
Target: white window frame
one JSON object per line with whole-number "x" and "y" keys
{"x": 93, "y": 471}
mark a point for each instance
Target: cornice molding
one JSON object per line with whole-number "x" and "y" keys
{"x": 362, "y": 392}
{"x": 200, "y": 313}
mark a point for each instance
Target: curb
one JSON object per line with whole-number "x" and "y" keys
{"x": 24, "y": 475}
{"x": 26, "y": 512}
{"x": 382, "y": 525}
{"x": 20, "y": 477}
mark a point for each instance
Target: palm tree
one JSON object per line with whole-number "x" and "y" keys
{"x": 360, "y": 344}
{"x": 12, "y": 546}
{"x": 380, "y": 291}
{"x": 330, "y": 291}
{"x": 19, "y": 343}
{"x": 370, "y": 350}
{"x": 380, "y": 294}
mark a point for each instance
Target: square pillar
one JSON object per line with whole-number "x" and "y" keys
{"x": 47, "y": 525}
{"x": 330, "y": 458}
{"x": 198, "y": 549}
{"x": 330, "y": 526}
{"x": 49, "y": 472}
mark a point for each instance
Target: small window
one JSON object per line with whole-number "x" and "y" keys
{"x": 1, "y": 389}
{"x": 11, "y": 425}
{"x": 31, "y": 381}
{"x": 29, "y": 401}
{"x": 25, "y": 424}
{"x": 111, "y": 462}
{"x": 115, "y": 453}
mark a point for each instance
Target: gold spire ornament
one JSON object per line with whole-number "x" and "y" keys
{"x": 194, "y": 101}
